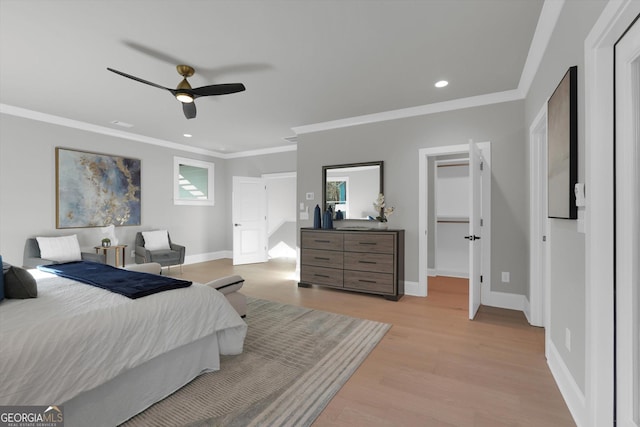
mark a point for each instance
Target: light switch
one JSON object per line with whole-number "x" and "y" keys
{"x": 310, "y": 196}
{"x": 579, "y": 191}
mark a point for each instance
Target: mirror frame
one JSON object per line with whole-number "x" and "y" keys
{"x": 379, "y": 163}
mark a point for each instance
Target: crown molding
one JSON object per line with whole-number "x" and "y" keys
{"x": 261, "y": 152}
{"x": 421, "y": 110}
{"x": 75, "y": 124}
{"x": 544, "y": 29}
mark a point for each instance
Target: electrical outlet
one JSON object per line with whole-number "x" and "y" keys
{"x": 567, "y": 338}
{"x": 506, "y": 277}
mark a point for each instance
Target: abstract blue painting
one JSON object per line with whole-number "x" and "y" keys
{"x": 95, "y": 190}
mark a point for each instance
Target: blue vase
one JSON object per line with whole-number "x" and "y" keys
{"x": 327, "y": 221}
{"x": 317, "y": 217}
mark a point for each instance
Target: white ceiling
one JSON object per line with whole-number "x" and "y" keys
{"x": 302, "y": 62}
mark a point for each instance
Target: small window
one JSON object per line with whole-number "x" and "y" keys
{"x": 193, "y": 182}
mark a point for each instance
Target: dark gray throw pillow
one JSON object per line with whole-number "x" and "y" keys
{"x": 19, "y": 284}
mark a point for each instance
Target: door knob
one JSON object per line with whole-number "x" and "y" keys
{"x": 472, "y": 238}
{"x": 237, "y": 225}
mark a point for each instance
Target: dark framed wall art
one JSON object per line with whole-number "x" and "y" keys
{"x": 95, "y": 190}
{"x": 562, "y": 140}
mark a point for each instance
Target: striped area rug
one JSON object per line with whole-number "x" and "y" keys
{"x": 294, "y": 361}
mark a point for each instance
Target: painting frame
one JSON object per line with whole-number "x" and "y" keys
{"x": 562, "y": 143}
{"x": 96, "y": 189}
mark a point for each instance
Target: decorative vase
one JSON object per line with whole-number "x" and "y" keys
{"x": 317, "y": 221}
{"x": 382, "y": 225}
{"x": 327, "y": 221}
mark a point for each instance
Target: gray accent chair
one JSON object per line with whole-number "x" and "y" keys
{"x": 32, "y": 259}
{"x": 164, "y": 257}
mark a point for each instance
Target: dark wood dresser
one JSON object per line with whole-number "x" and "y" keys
{"x": 366, "y": 260}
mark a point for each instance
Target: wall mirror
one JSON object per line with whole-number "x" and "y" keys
{"x": 350, "y": 189}
{"x": 193, "y": 182}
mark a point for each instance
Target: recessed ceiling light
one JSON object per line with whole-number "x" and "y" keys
{"x": 441, "y": 83}
{"x": 187, "y": 135}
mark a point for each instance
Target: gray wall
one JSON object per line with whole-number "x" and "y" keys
{"x": 397, "y": 143}
{"x": 27, "y": 189}
{"x": 566, "y": 245}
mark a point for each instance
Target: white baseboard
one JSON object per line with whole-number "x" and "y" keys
{"x": 526, "y": 309}
{"x": 431, "y": 272}
{"x": 210, "y": 256}
{"x": 504, "y": 300}
{"x": 452, "y": 273}
{"x": 414, "y": 289}
{"x": 573, "y": 396}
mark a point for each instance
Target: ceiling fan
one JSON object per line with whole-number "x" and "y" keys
{"x": 185, "y": 93}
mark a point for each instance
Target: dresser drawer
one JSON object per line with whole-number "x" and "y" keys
{"x": 321, "y": 275}
{"x": 332, "y": 259}
{"x": 369, "y": 242}
{"x": 320, "y": 240}
{"x": 372, "y": 282}
{"x": 379, "y": 263}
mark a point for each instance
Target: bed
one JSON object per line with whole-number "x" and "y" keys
{"x": 105, "y": 357}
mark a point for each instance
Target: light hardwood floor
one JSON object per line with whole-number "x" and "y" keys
{"x": 434, "y": 367}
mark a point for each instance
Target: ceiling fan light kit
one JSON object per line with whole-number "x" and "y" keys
{"x": 185, "y": 93}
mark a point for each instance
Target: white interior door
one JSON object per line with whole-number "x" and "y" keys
{"x": 475, "y": 246}
{"x": 538, "y": 283}
{"x": 627, "y": 113}
{"x": 249, "y": 216}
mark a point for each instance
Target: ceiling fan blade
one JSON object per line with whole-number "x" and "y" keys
{"x": 221, "y": 89}
{"x": 189, "y": 109}
{"x": 138, "y": 79}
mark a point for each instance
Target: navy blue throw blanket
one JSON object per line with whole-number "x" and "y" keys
{"x": 131, "y": 284}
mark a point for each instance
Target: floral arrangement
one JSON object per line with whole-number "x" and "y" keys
{"x": 380, "y": 206}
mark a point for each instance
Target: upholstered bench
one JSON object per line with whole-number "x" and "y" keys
{"x": 228, "y": 285}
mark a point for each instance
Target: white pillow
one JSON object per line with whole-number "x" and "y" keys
{"x": 156, "y": 240}
{"x": 61, "y": 249}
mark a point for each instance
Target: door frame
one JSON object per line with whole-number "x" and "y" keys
{"x": 598, "y": 406}
{"x": 423, "y": 204}
{"x": 539, "y": 261}
{"x": 627, "y": 221}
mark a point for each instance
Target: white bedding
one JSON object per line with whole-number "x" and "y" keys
{"x": 74, "y": 337}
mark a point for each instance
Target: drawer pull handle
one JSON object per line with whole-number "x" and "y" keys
{"x": 368, "y": 243}
{"x": 322, "y": 241}
{"x": 321, "y": 258}
{"x": 367, "y": 262}
{"x": 322, "y": 275}
{"x": 367, "y": 281}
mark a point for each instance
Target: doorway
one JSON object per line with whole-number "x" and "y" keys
{"x": 281, "y": 215}
{"x": 479, "y": 284}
